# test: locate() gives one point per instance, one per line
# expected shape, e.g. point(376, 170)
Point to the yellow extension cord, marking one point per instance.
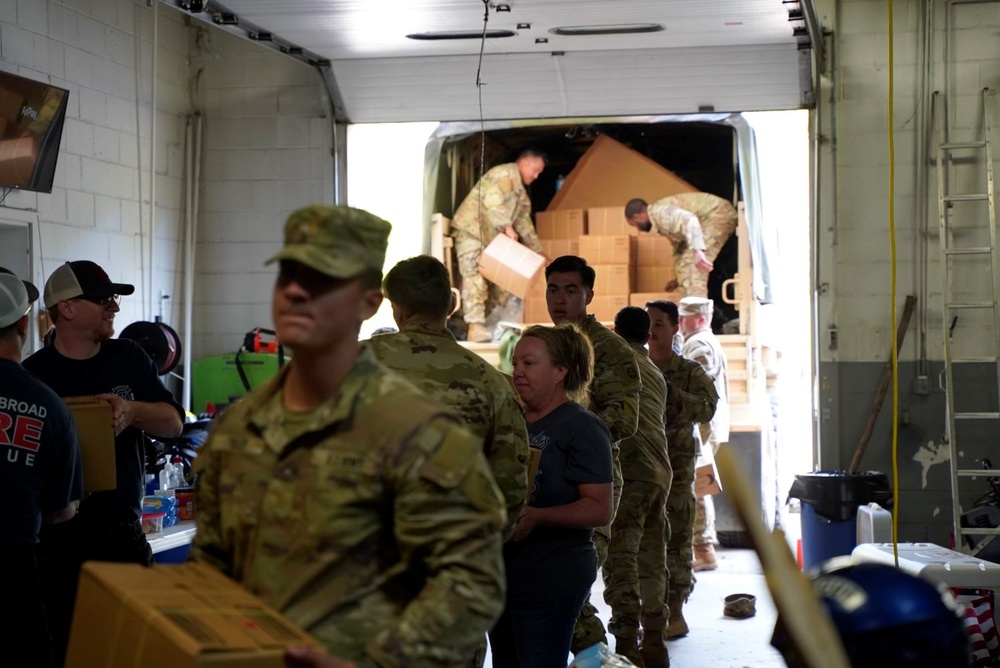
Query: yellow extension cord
point(892, 312)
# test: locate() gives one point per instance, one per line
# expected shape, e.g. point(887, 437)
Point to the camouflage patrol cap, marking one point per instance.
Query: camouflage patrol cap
point(338, 241)
point(695, 306)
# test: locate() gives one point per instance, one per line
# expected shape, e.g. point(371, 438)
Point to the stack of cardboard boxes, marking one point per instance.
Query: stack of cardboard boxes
point(632, 267)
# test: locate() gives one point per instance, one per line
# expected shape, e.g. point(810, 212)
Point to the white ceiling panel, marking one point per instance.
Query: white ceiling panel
point(529, 86)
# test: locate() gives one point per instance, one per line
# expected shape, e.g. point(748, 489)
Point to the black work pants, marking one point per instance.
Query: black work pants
point(24, 628)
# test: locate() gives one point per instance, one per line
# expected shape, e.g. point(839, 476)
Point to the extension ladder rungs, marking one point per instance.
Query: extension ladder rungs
point(969, 305)
point(977, 473)
point(967, 197)
point(950, 146)
point(984, 531)
point(988, 359)
point(976, 250)
point(984, 415)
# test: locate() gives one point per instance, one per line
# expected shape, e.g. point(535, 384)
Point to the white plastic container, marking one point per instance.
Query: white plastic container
point(874, 524)
point(935, 563)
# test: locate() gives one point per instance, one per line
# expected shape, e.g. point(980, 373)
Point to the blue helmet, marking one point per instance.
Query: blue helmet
point(886, 617)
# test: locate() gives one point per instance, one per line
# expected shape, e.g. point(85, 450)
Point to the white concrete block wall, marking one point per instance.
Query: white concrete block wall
point(267, 152)
point(858, 303)
point(100, 51)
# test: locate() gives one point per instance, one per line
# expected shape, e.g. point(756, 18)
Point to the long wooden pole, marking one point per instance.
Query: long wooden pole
point(883, 388)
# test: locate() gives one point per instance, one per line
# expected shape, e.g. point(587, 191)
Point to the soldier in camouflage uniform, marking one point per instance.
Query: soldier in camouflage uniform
point(697, 224)
point(638, 550)
point(426, 353)
point(691, 399)
point(702, 346)
point(498, 204)
point(337, 493)
point(614, 395)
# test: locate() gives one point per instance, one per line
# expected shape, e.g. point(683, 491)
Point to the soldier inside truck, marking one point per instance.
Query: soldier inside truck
point(703, 154)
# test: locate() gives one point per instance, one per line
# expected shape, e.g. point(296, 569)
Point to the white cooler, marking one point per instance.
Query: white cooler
point(934, 563)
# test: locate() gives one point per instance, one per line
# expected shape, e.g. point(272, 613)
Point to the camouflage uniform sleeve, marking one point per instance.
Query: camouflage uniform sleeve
point(209, 545)
point(615, 392)
point(498, 203)
point(523, 225)
point(698, 399)
point(448, 515)
point(508, 454)
point(691, 229)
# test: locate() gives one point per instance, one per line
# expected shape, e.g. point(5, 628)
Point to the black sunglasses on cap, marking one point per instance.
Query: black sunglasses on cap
point(104, 302)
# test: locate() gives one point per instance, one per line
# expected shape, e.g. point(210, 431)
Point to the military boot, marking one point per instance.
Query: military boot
point(677, 628)
point(478, 333)
point(704, 558)
point(653, 649)
point(628, 646)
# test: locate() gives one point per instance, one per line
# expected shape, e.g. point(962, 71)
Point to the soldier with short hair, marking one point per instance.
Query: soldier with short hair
point(337, 493)
point(425, 352)
point(691, 399)
point(697, 224)
point(638, 535)
point(497, 204)
point(614, 394)
point(702, 346)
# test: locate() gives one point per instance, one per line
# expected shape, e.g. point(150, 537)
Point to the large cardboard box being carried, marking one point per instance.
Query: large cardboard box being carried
point(510, 265)
point(96, 434)
point(173, 617)
point(568, 224)
point(706, 474)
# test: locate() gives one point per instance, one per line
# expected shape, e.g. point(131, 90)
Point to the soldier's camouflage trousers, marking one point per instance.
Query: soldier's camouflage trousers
point(680, 512)
point(717, 229)
point(477, 292)
point(637, 560)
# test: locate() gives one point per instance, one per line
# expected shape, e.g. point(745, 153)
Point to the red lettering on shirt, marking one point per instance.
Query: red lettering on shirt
point(27, 433)
point(5, 423)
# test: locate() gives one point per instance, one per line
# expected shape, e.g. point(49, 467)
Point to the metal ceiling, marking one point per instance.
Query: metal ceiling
point(728, 55)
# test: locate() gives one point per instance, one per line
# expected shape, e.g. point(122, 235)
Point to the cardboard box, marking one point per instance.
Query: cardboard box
point(612, 279)
point(706, 475)
point(536, 311)
point(510, 265)
point(609, 220)
point(654, 279)
point(178, 616)
point(642, 298)
point(554, 248)
point(96, 434)
point(606, 307)
point(653, 250)
point(615, 249)
point(567, 224)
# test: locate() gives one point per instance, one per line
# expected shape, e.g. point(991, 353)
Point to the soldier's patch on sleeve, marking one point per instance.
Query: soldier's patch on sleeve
point(631, 372)
point(450, 463)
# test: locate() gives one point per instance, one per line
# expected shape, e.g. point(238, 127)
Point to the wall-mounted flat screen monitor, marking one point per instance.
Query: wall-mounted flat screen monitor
point(31, 124)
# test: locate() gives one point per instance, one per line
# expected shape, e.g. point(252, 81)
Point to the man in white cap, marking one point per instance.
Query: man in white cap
point(701, 345)
point(84, 360)
point(40, 479)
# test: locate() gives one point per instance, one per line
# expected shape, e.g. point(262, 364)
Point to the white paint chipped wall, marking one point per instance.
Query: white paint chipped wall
point(853, 238)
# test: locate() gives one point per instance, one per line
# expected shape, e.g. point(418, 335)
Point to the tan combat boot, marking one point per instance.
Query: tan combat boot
point(704, 558)
point(628, 646)
point(478, 334)
point(677, 628)
point(653, 649)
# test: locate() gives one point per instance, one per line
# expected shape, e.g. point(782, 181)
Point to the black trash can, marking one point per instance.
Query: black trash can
point(830, 502)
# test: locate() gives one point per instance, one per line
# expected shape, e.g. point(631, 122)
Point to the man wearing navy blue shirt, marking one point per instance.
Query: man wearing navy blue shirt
point(39, 479)
point(84, 360)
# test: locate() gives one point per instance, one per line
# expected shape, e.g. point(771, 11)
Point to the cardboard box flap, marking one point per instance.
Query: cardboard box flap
point(189, 607)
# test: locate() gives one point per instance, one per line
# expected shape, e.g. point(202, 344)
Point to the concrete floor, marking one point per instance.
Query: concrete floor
point(716, 640)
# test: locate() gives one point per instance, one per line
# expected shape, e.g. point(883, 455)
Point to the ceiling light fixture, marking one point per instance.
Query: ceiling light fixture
point(524, 26)
point(460, 34)
point(619, 29)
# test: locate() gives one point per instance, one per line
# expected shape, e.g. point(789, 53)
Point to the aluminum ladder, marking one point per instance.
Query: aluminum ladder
point(956, 298)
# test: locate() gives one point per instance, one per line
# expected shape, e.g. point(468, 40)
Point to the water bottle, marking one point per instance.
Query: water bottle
point(177, 475)
point(166, 476)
